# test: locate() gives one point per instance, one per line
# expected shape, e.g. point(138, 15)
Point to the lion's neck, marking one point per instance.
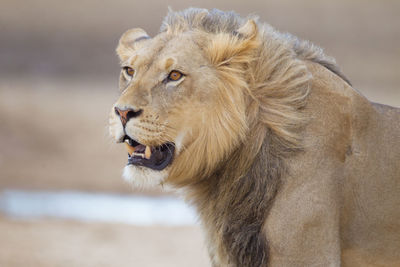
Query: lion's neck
point(233, 205)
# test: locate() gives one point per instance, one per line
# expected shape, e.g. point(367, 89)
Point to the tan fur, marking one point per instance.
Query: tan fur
point(286, 164)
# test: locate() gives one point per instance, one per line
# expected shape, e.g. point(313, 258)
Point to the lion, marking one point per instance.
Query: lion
point(285, 163)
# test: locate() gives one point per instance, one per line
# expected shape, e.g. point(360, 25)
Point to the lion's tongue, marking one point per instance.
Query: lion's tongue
point(139, 149)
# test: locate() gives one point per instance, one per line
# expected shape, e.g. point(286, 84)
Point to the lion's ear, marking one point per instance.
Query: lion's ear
point(228, 48)
point(128, 41)
point(248, 30)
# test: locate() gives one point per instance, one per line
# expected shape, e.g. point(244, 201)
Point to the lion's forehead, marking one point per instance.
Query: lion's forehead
point(183, 49)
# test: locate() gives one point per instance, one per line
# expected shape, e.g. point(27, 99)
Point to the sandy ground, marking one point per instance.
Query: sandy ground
point(51, 243)
point(58, 80)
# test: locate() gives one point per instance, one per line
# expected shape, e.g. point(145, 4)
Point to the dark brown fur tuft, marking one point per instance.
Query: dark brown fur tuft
point(235, 208)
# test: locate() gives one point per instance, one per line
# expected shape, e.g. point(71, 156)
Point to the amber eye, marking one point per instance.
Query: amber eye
point(129, 71)
point(175, 75)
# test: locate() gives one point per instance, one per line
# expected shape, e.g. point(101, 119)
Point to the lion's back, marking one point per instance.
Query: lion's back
point(364, 138)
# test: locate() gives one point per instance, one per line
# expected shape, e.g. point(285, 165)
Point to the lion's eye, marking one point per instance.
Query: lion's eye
point(129, 71)
point(175, 75)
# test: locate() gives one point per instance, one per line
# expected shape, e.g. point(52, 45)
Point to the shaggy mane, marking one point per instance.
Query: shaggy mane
point(278, 79)
point(234, 196)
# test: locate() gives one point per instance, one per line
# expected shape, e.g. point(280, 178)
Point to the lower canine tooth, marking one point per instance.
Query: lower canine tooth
point(147, 152)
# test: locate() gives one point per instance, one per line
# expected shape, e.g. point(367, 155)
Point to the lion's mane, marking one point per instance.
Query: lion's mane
point(233, 197)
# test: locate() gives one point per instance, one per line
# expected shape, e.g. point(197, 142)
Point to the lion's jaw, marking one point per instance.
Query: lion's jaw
point(142, 177)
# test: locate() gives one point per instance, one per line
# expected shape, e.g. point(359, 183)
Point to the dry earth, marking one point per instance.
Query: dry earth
point(51, 243)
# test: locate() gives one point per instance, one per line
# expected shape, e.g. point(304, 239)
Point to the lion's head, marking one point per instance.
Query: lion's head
point(194, 93)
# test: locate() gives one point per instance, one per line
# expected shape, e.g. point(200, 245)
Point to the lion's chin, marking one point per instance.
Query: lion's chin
point(142, 177)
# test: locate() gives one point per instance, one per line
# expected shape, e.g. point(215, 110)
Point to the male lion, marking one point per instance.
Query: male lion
point(286, 164)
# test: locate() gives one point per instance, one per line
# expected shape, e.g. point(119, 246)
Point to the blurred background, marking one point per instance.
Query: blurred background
point(62, 201)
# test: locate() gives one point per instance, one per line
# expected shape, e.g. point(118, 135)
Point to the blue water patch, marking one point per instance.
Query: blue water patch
point(93, 207)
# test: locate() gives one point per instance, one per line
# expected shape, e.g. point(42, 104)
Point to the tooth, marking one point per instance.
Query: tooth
point(130, 149)
point(147, 152)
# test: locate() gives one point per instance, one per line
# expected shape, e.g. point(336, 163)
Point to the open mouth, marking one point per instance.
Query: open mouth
point(156, 158)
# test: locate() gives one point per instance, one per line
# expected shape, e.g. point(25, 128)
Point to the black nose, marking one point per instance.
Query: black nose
point(126, 114)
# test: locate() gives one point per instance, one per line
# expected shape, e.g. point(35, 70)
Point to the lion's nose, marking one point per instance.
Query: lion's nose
point(126, 114)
